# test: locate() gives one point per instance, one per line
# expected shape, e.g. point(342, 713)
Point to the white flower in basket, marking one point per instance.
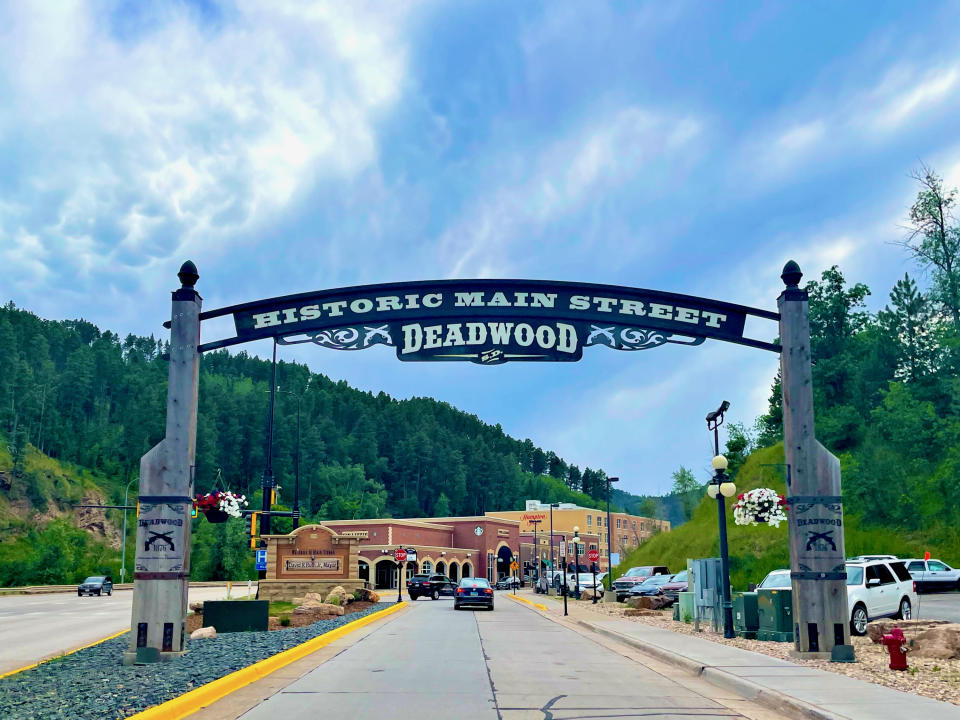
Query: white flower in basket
point(231, 503)
point(760, 506)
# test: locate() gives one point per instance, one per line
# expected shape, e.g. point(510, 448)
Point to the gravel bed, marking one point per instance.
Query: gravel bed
point(937, 679)
point(92, 683)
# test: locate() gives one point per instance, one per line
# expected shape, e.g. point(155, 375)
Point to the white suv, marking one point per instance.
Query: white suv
point(878, 588)
point(875, 588)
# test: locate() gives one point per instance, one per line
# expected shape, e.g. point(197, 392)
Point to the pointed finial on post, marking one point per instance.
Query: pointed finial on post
point(791, 275)
point(188, 274)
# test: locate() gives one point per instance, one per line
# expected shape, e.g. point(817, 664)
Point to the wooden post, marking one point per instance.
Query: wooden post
point(817, 559)
point(162, 566)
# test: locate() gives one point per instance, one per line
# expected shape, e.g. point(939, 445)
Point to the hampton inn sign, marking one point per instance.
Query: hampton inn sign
point(490, 322)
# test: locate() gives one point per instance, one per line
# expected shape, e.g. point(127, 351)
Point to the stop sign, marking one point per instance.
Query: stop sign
point(399, 555)
point(593, 555)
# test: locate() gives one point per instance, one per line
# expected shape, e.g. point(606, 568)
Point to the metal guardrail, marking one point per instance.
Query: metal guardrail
point(49, 589)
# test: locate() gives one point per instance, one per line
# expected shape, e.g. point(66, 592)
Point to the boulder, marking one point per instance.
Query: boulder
point(341, 594)
point(911, 628)
point(587, 594)
point(316, 611)
point(311, 598)
point(649, 602)
point(368, 595)
point(204, 632)
point(940, 643)
point(634, 612)
point(196, 607)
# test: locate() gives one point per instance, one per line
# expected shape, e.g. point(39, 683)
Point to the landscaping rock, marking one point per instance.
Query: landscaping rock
point(311, 599)
point(368, 595)
point(634, 612)
point(653, 602)
point(316, 610)
point(940, 643)
point(208, 632)
point(878, 628)
point(196, 607)
point(341, 594)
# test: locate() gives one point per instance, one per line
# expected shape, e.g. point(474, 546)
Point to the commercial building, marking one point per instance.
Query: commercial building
point(626, 531)
point(454, 546)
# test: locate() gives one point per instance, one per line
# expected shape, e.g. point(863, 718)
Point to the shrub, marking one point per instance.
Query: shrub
point(285, 621)
point(334, 600)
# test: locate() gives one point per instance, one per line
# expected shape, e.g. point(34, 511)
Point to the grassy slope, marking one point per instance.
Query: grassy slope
point(754, 551)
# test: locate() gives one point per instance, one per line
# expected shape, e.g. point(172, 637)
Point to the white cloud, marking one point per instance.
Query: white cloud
point(188, 134)
point(562, 179)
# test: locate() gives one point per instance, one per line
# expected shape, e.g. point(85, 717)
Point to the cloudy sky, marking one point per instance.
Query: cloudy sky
point(290, 146)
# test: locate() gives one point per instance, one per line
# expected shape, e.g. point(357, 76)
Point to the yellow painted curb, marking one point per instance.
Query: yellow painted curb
point(201, 697)
point(71, 652)
point(538, 606)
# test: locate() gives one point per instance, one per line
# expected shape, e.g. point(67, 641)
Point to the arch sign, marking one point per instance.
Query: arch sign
point(490, 322)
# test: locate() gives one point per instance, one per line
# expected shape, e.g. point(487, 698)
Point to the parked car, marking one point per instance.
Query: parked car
point(585, 581)
point(933, 575)
point(676, 585)
point(875, 589)
point(96, 585)
point(635, 576)
point(432, 586)
point(651, 586)
point(508, 582)
point(473, 591)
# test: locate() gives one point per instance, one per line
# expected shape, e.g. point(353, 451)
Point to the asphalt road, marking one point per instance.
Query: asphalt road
point(939, 606)
point(510, 664)
point(34, 627)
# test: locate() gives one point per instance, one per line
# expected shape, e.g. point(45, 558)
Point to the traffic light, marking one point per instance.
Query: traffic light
point(253, 530)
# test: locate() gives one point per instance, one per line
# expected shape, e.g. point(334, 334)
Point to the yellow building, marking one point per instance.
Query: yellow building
point(626, 531)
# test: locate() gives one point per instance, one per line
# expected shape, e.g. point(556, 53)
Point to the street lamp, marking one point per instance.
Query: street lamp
point(610, 480)
point(123, 562)
point(553, 567)
point(722, 487)
point(576, 560)
point(296, 481)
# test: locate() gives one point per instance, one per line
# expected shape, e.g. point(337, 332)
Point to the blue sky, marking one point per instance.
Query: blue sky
point(287, 147)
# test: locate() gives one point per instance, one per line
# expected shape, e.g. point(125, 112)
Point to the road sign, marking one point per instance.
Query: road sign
point(593, 556)
point(261, 560)
point(563, 548)
point(514, 566)
point(411, 554)
point(399, 555)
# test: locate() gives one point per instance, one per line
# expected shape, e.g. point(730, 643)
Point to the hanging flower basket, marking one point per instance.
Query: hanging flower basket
point(220, 505)
point(762, 506)
point(216, 516)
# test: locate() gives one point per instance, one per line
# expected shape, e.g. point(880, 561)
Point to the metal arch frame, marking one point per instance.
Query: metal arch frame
point(669, 331)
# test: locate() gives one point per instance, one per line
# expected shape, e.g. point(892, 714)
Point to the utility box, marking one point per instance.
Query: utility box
point(707, 590)
point(775, 613)
point(746, 620)
point(685, 601)
point(236, 615)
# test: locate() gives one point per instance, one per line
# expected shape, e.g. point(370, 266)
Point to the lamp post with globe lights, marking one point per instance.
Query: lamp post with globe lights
point(721, 487)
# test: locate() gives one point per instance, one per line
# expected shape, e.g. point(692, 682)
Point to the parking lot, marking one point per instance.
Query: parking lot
point(939, 606)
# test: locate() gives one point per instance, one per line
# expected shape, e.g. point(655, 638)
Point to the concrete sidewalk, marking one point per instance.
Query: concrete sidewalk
point(776, 683)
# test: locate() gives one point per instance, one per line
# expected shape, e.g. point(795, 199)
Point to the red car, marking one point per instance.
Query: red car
point(676, 586)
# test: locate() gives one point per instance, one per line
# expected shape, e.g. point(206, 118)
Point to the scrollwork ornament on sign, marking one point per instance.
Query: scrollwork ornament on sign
point(619, 337)
point(345, 338)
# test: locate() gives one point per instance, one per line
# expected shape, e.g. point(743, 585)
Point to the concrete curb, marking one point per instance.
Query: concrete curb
point(771, 699)
point(205, 695)
point(51, 589)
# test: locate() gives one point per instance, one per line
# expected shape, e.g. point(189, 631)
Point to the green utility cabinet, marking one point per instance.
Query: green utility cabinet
point(746, 620)
point(236, 615)
point(685, 603)
point(775, 614)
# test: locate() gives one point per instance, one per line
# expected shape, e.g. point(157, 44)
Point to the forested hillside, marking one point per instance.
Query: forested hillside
point(84, 395)
point(887, 401)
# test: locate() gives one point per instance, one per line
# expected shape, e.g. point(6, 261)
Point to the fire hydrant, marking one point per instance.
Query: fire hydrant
point(897, 647)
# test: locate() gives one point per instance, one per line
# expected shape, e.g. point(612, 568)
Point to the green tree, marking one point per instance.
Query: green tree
point(686, 487)
point(934, 239)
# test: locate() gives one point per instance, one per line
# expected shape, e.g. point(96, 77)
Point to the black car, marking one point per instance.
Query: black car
point(431, 586)
point(96, 585)
point(508, 582)
point(650, 586)
point(473, 591)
